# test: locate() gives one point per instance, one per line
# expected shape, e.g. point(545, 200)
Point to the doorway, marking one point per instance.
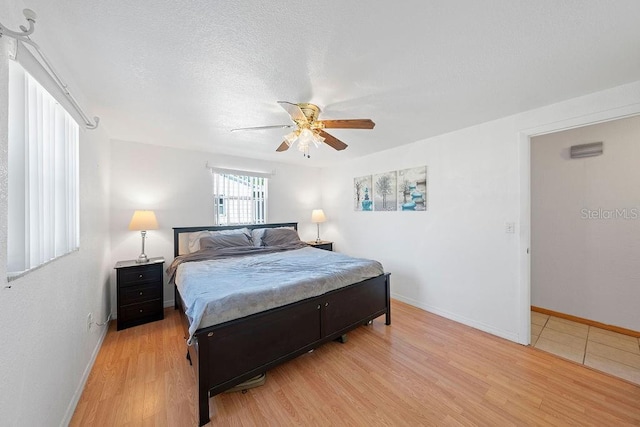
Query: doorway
point(585, 243)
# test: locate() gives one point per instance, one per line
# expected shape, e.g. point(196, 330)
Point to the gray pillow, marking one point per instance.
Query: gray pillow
point(221, 241)
point(279, 236)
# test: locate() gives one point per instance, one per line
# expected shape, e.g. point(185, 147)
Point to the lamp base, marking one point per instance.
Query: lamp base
point(143, 257)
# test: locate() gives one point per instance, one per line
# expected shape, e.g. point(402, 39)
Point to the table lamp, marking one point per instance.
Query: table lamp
point(143, 221)
point(317, 216)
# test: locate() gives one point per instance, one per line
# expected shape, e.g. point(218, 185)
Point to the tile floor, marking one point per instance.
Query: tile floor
point(600, 349)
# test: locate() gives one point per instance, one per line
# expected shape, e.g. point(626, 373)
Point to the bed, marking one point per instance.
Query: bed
point(228, 342)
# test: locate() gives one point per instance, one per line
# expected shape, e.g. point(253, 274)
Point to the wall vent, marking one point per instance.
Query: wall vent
point(586, 150)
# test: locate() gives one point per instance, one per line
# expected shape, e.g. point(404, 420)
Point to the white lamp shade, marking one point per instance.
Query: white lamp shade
point(317, 215)
point(143, 220)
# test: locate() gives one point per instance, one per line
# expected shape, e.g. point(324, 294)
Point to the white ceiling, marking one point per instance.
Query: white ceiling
point(184, 72)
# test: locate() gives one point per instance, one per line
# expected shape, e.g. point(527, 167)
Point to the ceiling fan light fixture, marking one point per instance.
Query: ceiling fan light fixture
point(303, 146)
point(291, 137)
point(306, 134)
point(317, 139)
point(305, 140)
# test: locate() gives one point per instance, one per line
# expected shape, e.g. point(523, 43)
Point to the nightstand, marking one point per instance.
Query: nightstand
point(140, 292)
point(327, 246)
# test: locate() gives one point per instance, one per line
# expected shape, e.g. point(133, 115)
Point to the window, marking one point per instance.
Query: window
point(239, 199)
point(43, 175)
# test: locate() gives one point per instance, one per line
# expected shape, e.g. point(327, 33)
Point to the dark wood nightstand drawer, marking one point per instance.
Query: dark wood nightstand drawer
point(136, 275)
point(139, 293)
point(149, 310)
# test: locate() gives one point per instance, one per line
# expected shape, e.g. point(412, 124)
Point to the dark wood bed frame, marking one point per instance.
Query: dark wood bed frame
point(230, 353)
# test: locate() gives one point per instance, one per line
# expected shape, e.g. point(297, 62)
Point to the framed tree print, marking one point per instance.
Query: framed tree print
point(384, 192)
point(362, 193)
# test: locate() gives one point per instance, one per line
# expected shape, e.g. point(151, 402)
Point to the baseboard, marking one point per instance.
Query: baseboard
point(589, 322)
point(508, 335)
point(83, 381)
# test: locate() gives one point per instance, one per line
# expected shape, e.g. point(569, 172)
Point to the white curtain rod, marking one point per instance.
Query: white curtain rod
point(23, 37)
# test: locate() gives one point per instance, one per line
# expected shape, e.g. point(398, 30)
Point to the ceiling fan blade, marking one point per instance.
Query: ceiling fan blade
point(263, 128)
point(332, 141)
point(348, 124)
point(294, 111)
point(283, 147)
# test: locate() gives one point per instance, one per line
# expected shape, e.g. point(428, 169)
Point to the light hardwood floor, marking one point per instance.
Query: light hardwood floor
point(421, 370)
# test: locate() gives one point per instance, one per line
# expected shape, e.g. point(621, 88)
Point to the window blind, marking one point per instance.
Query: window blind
point(43, 175)
point(239, 199)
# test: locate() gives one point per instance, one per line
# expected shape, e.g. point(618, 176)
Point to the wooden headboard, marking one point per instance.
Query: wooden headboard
point(179, 230)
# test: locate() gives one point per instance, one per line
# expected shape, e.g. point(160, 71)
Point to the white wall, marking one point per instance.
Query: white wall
point(178, 187)
point(584, 259)
point(47, 351)
point(456, 259)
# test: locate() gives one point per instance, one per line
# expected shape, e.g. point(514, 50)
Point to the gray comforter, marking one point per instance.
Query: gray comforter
point(218, 286)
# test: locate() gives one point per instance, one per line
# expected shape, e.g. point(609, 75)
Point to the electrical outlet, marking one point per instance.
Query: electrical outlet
point(89, 321)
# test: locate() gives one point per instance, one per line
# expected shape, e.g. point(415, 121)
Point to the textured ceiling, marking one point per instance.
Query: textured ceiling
point(184, 72)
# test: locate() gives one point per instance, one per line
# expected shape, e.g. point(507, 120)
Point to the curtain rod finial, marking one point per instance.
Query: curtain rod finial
point(30, 15)
point(92, 126)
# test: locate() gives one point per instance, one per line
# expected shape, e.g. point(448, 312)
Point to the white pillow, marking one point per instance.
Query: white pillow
point(193, 242)
point(194, 238)
point(257, 233)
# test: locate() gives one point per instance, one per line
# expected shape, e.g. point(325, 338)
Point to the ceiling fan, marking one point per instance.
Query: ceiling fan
point(309, 130)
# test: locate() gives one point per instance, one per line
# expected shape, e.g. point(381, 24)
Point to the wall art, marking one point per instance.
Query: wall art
point(363, 194)
point(412, 189)
point(385, 192)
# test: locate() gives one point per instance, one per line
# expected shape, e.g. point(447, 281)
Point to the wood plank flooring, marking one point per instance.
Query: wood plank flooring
point(421, 370)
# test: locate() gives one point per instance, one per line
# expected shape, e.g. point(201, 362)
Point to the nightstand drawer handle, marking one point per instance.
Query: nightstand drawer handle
point(140, 276)
point(326, 304)
point(140, 292)
point(140, 310)
point(318, 306)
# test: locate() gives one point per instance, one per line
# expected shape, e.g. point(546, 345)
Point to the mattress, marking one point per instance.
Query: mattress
point(215, 291)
